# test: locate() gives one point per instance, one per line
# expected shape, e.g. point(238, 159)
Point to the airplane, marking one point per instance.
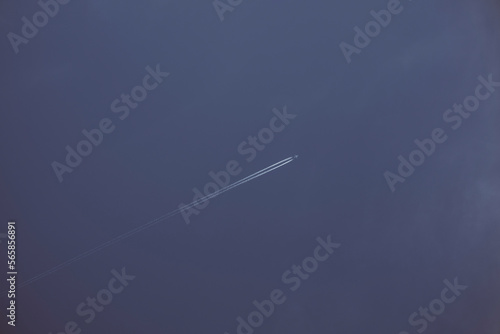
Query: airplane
point(295, 156)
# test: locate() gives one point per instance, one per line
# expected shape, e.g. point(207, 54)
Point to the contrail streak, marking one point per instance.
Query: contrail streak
point(238, 183)
point(157, 220)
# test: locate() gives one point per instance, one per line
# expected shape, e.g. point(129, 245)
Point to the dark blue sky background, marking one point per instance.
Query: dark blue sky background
point(353, 120)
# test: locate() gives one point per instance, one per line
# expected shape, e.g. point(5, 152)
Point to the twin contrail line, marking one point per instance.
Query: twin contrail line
point(238, 183)
point(138, 229)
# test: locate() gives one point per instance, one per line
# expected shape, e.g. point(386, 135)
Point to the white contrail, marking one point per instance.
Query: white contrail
point(157, 220)
point(238, 183)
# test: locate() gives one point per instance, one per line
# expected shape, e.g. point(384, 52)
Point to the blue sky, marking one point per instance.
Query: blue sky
point(352, 122)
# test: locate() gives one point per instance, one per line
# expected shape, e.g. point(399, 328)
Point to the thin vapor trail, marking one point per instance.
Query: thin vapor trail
point(238, 183)
point(138, 229)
